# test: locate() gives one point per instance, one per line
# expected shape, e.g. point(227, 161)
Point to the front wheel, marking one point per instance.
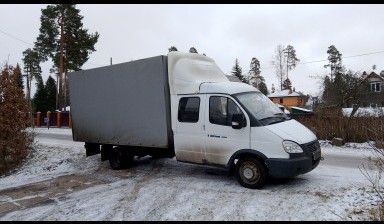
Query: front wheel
point(251, 173)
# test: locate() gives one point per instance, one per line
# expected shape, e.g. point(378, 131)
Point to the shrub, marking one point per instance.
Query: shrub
point(15, 139)
point(376, 134)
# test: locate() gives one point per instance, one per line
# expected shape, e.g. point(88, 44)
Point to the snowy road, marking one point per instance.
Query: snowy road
point(331, 158)
point(61, 183)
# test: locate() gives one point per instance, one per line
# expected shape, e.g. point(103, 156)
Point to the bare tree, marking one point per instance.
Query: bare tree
point(377, 144)
point(278, 62)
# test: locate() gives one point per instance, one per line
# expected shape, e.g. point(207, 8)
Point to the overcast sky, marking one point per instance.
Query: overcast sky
point(222, 32)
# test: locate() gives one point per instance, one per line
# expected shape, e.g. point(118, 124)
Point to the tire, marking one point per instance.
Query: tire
point(251, 173)
point(104, 152)
point(119, 158)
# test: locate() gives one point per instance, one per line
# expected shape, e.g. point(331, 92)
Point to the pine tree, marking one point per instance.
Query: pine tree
point(50, 89)
point(263, 88)
point(63, 39)
point(287, 84)
point(39, 99)
point(172, 48)
point(335, 61)
point(193, 50)
point(32, 69)
point(292, 60)
point(256, 79)
point(334, 85)
point(238, 72)
point(20, 80)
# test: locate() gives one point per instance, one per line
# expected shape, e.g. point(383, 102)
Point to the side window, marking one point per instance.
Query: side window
point(232, 109)
point(189, 108)
point(221, 110)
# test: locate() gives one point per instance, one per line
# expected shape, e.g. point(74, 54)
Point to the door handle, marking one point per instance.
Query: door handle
point(217, 136)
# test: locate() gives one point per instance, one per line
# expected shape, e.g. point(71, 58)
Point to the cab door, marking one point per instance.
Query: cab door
point(222, 140)
point(189, 136)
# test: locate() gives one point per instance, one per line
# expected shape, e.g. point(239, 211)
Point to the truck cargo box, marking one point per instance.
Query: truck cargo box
point(122, 104)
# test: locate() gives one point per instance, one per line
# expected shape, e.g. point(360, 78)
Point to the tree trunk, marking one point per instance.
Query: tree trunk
point(62, 61)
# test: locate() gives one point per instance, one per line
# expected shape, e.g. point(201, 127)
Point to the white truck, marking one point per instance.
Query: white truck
point(182, 105)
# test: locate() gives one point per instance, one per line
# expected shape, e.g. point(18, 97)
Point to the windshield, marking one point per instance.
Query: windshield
point(262, 108)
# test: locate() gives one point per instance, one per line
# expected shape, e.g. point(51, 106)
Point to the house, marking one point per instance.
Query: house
point(299, 110)
point(282, 108)
point(289, 98)
point(375, 95)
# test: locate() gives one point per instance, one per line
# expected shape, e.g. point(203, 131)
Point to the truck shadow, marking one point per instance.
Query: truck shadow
point(165, 166)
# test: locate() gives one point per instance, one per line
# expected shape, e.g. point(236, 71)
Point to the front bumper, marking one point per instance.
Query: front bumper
point(298, 163)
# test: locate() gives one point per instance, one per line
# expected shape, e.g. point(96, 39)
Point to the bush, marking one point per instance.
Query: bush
point(15, 139)
point(376, 134)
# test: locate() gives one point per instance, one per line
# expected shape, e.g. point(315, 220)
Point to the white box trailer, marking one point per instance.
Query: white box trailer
point(183, 105)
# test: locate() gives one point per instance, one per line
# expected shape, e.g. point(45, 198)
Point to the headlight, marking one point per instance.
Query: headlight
point(292, 147)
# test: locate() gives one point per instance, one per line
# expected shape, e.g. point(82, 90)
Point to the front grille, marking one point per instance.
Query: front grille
point(314, 146)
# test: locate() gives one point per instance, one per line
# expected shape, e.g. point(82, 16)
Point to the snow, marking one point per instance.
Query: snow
point(364, 111)
point(68, 108)
point(284, 93)
point(165, 189)
point(303, 109)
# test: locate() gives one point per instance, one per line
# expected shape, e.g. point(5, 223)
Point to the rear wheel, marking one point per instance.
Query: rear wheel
point(105, 152)
point(251, 173)
point(120, 158)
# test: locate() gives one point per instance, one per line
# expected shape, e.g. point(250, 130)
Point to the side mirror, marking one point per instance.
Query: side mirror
point(238, 121)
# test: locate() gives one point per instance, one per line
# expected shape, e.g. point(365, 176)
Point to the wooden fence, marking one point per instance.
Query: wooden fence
point(350, 129)
point(56, 119)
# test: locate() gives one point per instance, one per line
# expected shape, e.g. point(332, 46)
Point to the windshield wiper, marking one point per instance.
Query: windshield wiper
point(276, 122)
point(280, 119)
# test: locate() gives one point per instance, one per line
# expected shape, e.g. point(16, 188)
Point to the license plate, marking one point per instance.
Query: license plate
point(316, 154)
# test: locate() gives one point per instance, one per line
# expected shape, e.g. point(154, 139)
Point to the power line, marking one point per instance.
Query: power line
point(352, 56)
point(378, 52)
point(15, 38)
point(308, 62)
point(33, 45)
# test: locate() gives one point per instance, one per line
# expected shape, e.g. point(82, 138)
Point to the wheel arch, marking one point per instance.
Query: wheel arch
point(246, 152)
